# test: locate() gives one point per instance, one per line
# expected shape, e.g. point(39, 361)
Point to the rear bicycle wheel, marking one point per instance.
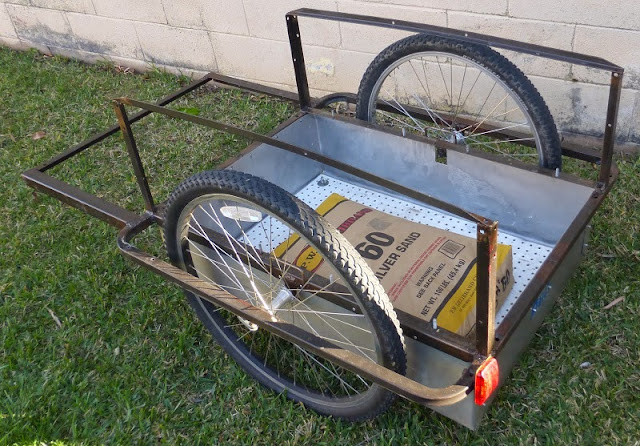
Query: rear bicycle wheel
point(463, 93)
point(235, 230)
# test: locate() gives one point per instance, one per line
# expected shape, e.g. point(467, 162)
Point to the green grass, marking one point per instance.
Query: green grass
point(130, 363)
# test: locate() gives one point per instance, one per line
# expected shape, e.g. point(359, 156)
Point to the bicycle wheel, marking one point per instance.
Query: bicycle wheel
point(235, 230)
point(463, 93)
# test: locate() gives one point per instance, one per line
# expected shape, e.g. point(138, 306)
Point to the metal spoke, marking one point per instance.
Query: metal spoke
point(247, 272)
point(430, 112)
point(470, 90)
point(220, 252)
point(235, 278)
point(388, 115)
point(402, 109)
point(324, 367)
point(329, 315)
point(232, 255)
point(505, 141)
point(346, 340)
point(490, 113)
point(500, 129)
point(442, 74)
point(246, 239)
point(455, 114)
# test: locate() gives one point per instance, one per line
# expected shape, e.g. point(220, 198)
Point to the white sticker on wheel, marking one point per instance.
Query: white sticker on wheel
point(240, 213)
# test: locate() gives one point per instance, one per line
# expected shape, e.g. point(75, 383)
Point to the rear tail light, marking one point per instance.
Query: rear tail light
point(487, 378)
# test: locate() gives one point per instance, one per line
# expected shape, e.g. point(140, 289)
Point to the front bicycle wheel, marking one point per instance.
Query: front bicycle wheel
point(463, 93)
point(236, 230)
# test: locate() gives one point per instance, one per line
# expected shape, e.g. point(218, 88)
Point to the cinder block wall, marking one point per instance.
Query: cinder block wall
point(248, 39)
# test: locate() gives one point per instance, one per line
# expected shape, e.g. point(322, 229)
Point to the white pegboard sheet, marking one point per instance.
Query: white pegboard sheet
point(528, 256)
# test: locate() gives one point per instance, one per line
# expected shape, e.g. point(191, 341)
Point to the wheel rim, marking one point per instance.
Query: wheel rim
point(472, 114)
point(231, 241)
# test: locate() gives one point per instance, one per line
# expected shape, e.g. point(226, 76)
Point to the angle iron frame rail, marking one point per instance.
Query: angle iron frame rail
point(607, 175)
point(117, 216)
point(345, 167)
point(120, 217)
point(486, 246)
point(615, 86)
point(569, 148)
point(97, 207)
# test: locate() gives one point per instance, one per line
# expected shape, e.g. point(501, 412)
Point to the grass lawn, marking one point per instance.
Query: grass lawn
point(96, 350)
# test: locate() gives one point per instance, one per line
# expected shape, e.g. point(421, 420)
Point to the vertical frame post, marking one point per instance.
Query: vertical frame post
point(486, 286)
point(295, 43)
point(134, 155)
point(615, 90)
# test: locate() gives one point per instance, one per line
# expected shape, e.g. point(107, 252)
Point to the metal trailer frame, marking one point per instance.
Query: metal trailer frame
point(537, 296)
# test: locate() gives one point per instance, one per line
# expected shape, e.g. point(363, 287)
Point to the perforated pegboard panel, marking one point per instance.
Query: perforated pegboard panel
point(527, 255)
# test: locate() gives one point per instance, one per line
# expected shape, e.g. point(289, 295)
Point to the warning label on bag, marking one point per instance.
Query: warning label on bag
point(426, 272)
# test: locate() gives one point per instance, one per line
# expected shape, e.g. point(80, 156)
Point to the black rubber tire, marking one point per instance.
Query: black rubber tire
point(482, 55)
point(367, 289)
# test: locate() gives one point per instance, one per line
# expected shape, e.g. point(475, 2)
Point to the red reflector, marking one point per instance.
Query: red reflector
point(487, 377)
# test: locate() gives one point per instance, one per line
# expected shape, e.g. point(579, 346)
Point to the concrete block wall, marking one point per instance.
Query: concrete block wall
point(248, 39)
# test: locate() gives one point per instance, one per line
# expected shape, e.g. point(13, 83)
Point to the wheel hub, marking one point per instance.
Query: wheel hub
point(283, 296)
point(456, 137)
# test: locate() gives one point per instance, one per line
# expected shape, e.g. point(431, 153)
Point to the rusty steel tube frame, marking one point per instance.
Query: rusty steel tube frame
point(485, 314)
point(295, 41)
point(486, 246)
point(569, 149)
point(451, 343)
point(487, 242)
point(488, 340)
point(115, 215)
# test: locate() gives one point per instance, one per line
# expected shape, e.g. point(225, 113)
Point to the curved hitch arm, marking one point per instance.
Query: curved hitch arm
point(393, 381)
